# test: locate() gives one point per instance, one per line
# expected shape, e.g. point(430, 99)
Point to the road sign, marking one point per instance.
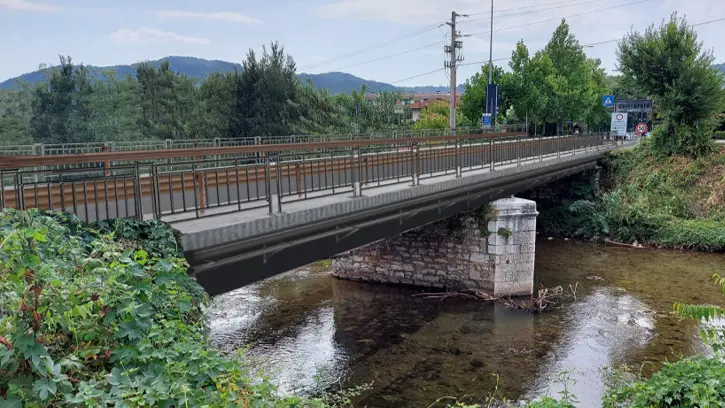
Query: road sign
point(486, 120)
point(619, 124)
point(641, 128)
point(399, 108)
point(635, 105)
point(608, 101)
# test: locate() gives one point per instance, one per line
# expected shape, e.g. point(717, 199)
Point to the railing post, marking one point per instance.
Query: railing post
point(278, 168)
point(558, 147)
point(268, 185)
point(416, 165)
point(491, 155)
point(137, 191)
point(356, 173)
point(518, 151)
point(540, 145)
point(155, 192)
point(459, 172)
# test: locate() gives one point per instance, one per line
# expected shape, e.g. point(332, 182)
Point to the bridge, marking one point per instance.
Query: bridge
point(253, 210)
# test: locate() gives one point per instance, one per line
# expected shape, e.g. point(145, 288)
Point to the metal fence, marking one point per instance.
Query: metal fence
point(50, 149)
point(211, 186)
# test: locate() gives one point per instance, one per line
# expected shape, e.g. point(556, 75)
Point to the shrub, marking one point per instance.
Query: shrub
point(719, 135)
point(87, 320)
point(692, 382)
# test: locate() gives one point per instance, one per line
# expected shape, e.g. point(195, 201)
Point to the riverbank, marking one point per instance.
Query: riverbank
point(676, 203)
point(106, 315)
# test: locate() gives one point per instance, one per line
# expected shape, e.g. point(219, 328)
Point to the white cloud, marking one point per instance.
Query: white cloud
point(154, 36)
point(221, 16)
point(22, 5)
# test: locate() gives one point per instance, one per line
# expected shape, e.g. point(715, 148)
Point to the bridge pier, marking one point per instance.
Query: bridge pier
point(492, 251)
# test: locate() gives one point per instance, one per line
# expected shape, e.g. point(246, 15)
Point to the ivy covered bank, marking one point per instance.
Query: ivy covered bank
point(106, 315)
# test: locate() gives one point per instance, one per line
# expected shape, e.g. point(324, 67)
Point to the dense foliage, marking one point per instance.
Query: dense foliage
point(691, 382)
point(671, 66)
point(262, 98)
point(557, 85)
point(90, 317)
point(677, 202)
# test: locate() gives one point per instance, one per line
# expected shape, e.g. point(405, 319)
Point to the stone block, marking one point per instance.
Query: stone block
point(479, 257)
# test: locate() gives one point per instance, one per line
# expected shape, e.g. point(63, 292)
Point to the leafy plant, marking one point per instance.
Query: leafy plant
point(86, 320)
point(691, 382)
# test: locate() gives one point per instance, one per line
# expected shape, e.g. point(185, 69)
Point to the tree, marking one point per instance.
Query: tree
point(60, 106)
point(436, 115)
point(265, 95)
point(15, 115)
point(167, 101)
point(473, 101)
point(572, 76)
point(671, 66)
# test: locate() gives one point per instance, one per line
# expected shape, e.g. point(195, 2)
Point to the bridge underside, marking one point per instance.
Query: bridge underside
point(221, 268)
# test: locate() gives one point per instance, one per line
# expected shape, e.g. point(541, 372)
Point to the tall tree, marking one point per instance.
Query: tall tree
point(265, 94)
point(473, 101)
point(60, 106)
point(671, 66)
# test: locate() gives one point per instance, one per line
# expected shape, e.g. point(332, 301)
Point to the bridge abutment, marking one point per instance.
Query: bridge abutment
point(491, 250)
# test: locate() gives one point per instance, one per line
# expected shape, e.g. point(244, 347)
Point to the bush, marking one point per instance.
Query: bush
point(89, 320)
point(719, 135)
point(692, 382)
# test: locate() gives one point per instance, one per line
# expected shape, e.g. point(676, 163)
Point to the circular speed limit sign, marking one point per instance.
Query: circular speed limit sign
point(641, 128)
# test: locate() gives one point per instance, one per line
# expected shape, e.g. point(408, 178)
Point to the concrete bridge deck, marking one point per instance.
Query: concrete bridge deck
point(231, 250)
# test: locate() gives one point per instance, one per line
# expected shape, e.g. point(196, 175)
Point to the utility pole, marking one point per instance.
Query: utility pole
point(452, 64)
point(490, 50)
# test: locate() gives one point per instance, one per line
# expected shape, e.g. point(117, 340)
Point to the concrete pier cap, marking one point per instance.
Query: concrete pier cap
point(512, 246)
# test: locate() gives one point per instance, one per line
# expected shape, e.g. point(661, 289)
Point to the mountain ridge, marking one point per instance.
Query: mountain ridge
point(200, 68)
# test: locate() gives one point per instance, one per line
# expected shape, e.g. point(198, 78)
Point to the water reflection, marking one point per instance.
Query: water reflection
point(311, 332)
point(605, 328)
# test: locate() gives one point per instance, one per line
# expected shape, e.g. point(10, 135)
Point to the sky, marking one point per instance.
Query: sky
point(402, 38)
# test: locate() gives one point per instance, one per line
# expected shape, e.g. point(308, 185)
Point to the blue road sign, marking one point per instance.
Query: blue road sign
point(486, 119)
point(608, 101)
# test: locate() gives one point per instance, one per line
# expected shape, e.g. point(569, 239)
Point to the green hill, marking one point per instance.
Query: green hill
point(199, 68)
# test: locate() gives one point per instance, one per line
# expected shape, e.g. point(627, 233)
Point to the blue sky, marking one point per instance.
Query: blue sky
point(313, 31)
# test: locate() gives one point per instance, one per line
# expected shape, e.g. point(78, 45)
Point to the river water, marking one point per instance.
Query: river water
point(310, 332)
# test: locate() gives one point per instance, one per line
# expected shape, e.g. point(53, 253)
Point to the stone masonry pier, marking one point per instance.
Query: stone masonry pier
point(491, 250)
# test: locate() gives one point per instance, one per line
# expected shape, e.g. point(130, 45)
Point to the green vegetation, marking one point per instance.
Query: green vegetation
point(505, 232)
point(264, 98)
point(691, 382)
point(670, 65)
point(556, 85)
point(107, 316)
point(677, 202)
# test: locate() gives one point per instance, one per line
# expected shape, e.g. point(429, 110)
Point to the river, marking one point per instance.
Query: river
point(310, 332)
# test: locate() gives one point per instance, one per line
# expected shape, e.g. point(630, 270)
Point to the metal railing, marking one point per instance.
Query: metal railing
point(51, 149)
point(200, 187)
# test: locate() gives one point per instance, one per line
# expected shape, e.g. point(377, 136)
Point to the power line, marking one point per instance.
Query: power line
point(431, 27)
point(520, 8)
point(599, 42)
point(392, 55)
point(568, 4)
point(508, 58)
point(571, 15)
point(375, 46)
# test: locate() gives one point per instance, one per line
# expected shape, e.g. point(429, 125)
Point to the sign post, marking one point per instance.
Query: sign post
point(619, 124)
point(492, 102)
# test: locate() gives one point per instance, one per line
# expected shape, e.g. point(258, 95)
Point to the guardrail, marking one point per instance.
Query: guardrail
point(201, 186)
